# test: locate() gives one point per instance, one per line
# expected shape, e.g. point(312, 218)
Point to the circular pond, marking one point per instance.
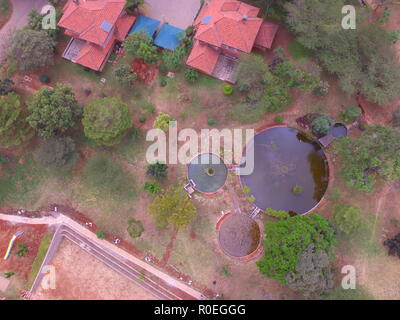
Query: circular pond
point(339, 130)
point(208, 172)
point(290, 171)
point(239, 235)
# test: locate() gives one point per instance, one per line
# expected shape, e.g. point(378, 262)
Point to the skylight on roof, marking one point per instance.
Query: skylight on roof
point(206, 20)
point(106, 26)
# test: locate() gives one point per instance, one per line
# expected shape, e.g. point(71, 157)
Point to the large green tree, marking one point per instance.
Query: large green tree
point(173, 206)
point(140, 44)
point(14, 129)
point(375, 153)
point(32, 49)
point(363, 59)
point(106, 121)
point(286, 240)
point(53, 110)
point(313, 275)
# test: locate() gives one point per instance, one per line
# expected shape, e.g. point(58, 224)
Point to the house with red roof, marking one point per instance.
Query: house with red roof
point(95, 26)
point(224, 30)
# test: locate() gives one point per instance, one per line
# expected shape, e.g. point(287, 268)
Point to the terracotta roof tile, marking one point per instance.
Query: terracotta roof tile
point(86, 17)
point(232, 23)
point(203, 58)
point(266, 35)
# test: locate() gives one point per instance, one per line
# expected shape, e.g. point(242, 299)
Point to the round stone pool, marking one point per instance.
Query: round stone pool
point(290, 171)
point(239, 235)
point(208, 172)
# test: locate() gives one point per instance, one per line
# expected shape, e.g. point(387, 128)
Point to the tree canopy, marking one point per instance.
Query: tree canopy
point(53, 110)
point(106, 121)
point(362, 58)
point(313, 275)
point(376, 153)
point(173, 206)
point(32, 49)
point(140, 44)
point(14, 129)
point(286, 240)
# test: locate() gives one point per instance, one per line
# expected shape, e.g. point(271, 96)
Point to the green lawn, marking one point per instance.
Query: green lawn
point(299, 52)
point(43, 247)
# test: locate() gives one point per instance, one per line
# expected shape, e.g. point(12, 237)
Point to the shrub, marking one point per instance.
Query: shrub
point(297, 189)
point(152, 187)
point(189, 31)
point(135, 228)
point(173, 59)
point(14, 128)
point(9, 274)
point(191, 75)
point(351, 114)
point(23, 251)
point(162, 121)
point(246, 189)
point(252, 198)
point(44, 78)
point(226, 271)
point(320, 126)
point(173, 206)
point(124, 75)
point(142, 119)
point(279, 119)
point(211, 122)
point(140, 44)
point(347, 218)
point(100, 235)
point(227, 89)
point(6, 86)
point(157, 169)
point(105, 121)
point(163, 81)
point(280, 214)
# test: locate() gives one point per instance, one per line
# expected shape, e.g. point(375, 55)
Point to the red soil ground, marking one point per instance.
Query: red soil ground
point(144, 71)
point(31, 237)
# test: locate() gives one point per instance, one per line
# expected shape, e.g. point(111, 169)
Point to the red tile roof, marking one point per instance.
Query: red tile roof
point(94, 56)
point(85, 17)
point(266, 35)
point(228, 23)
point(83, 20)
point(203, 57)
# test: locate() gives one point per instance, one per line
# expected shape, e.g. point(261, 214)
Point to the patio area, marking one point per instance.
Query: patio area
point(178, 13)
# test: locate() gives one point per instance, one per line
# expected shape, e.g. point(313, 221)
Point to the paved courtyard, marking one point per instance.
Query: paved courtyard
point(178, 13)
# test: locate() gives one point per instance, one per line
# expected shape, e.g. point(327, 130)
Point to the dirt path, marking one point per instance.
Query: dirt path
point(84, 233)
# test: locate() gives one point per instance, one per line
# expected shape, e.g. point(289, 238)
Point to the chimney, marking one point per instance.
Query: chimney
point(75, 1)
point(245, 18)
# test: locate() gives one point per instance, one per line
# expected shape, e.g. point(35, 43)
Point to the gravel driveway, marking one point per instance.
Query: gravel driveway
point(178, 13)
point(19, 19)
